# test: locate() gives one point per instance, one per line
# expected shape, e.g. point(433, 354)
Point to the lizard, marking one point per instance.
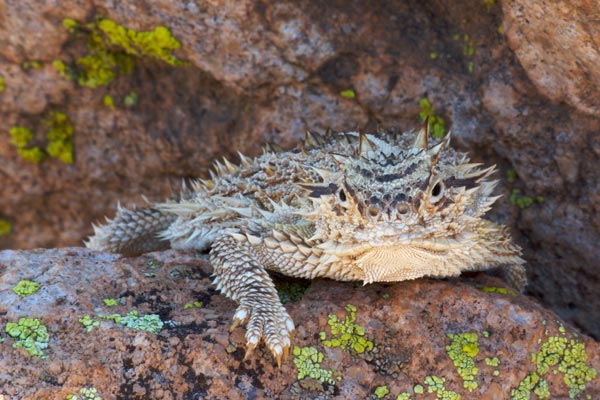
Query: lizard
point(370, 207)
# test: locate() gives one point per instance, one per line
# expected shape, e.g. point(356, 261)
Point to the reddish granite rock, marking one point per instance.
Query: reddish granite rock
point(557, 44)
point(194, 355)
point(267, 71)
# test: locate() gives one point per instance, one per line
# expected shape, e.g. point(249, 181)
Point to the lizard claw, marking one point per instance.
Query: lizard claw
point(273, 326)
point(250, 346)
point(240, 317)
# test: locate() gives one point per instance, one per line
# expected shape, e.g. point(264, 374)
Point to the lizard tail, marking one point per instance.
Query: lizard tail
point(132, 232)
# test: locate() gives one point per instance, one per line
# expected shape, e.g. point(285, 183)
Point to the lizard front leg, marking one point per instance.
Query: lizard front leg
point(239, 275)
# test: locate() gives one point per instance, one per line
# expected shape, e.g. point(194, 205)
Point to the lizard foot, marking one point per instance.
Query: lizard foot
point(270, 323)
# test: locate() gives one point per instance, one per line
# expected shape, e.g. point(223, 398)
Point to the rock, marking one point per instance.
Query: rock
point(557, 45)
point(268, 71)
point(404, 338)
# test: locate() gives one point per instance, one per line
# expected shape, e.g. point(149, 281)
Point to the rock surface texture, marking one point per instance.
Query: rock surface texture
point(516, 81)
point(423, 339)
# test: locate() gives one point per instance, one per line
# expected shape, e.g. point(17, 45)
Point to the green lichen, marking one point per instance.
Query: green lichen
point(492, 362)
point(468, 49)
point(561, 355)
point(468, 46)
point(29, 334)
point(26, 288)
point(511, 175)
point(89, 323)
point(526, 386)
point(435, 384)
point(110, 302)
point(308, 362)
point(32, 65)
point(470, 67)
point(418, 389)
point(2, 84)
point(517, 198)
point(542, 390)
point(463, 348)
point(153, 264)
point(493, 289)
point(437, 126)
point(403, 396)
point(290, 292)
point(381, 391)
point(195, 304)
point(130, 99)
point(150, 322)
point(112, 50)
point(520, 200)
point(5, 227)
point(348, 94)
point(489, 4)
point(88, 393)
point(60, 137)
point(346, 333)
point(434, 55)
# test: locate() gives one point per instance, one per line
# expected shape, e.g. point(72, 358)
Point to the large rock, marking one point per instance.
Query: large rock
point(267, 71)
point(557, 44)
point(402, 337)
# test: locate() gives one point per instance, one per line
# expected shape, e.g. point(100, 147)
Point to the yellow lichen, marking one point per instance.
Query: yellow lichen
point(5, 227)
point(112, 50)
point(60, 137)
point(108, 101)
point(158, 43)
point(32, 64)
point(33, 155)
point(493, 289)
point(21, 137)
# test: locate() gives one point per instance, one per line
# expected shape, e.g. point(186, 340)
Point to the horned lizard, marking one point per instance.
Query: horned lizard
point(376, 207)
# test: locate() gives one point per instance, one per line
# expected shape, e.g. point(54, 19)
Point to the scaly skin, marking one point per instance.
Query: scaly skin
point(374, 208)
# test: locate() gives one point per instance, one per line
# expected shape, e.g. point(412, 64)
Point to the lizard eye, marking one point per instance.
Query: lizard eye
point(342, 195)
point(437, 191)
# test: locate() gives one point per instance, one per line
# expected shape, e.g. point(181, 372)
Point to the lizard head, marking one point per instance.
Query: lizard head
point(384, 191)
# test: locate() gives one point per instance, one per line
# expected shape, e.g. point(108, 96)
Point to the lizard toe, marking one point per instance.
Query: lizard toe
point(274, 327)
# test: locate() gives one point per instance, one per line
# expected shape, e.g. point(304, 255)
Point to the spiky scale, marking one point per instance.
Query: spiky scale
point(310, 214)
